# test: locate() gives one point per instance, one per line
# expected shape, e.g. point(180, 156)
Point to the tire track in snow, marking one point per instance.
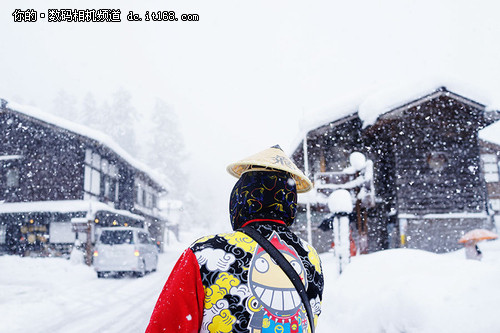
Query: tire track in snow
point(84, 304)
point(96, 314)
point(135, 317)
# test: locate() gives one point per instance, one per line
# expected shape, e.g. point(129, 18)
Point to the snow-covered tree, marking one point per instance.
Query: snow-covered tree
point(91, 115)
point(163, 149)
point(120, 120)
point(64, 105)
point(164, 146)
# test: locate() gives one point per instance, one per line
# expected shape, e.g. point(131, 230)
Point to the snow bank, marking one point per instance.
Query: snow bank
point(414, 291)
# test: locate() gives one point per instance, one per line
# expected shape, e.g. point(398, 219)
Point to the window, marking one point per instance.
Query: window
point(145, 195)
point(96, 161)
point(113, 171)
point(114, 237)
point(143, 238)
point(100, 178)
point(149, 200)
point(139, 194)
point(490, 167)
point(106, 187)
point(495, 204)
point(3, 233)
point(95, 185)
point(110, 186)
point(437, 160)
point(87, 181)
point(88, 156)
point(104, 166)
point(116, 192)
point(12, 177)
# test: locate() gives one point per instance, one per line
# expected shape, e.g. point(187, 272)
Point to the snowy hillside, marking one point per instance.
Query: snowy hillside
point(391, 291)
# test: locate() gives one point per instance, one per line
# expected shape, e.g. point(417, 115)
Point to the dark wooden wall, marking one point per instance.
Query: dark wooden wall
point(51, 167)
point(329, 147)
point(126, 188)
point(446, 128)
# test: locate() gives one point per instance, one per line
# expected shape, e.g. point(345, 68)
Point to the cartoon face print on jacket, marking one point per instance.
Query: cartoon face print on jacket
point(275, 304)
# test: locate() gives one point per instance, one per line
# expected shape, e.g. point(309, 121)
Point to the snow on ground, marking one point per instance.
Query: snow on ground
point(405, 290)
point(390, 291)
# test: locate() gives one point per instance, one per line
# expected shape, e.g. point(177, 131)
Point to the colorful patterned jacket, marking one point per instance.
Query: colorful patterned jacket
point(228, 283)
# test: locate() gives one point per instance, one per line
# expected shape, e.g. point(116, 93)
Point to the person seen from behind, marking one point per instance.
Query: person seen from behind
point(227, 282)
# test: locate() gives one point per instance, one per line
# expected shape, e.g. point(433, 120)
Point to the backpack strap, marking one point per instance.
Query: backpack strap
point(285, 266)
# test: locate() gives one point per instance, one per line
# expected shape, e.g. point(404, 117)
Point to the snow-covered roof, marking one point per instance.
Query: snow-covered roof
point(64, 206)
point(90, 133)
point(391, 98)
point(370, 104)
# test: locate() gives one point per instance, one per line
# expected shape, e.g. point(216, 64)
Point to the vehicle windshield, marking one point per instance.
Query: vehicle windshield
point(112, 237)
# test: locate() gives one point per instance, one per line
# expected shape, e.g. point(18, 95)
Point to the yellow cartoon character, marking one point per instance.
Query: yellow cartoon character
point(276, 305)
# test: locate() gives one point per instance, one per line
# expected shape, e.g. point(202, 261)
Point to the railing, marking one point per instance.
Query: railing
point(332, 178)
point(360, 184)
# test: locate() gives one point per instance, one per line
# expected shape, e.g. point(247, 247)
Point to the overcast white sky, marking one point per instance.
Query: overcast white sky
point(243, 77)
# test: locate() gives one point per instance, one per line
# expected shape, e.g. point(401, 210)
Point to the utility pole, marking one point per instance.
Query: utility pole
point(88, 246)
point(308, 204)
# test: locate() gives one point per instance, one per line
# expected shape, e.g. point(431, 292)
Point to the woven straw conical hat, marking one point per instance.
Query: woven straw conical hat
point(271, 159)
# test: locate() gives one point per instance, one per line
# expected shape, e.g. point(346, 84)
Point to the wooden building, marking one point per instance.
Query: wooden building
point(56, 176)
point(490, 163)
point(426, 183)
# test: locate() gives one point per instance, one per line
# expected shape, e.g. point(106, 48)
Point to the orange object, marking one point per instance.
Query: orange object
point(353, 250)
point(477, 235)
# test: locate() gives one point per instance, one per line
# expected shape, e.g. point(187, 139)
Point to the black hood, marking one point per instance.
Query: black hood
point(263, 195)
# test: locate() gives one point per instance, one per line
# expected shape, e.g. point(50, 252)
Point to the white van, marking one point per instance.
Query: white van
point(124, 249)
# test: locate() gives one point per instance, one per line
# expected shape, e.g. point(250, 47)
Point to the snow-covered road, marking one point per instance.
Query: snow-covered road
point(120, 306)
point(53, 295)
